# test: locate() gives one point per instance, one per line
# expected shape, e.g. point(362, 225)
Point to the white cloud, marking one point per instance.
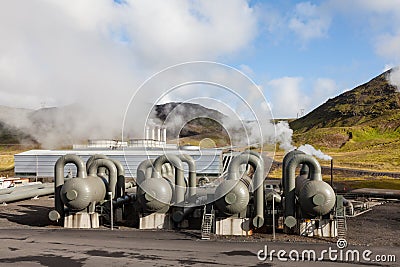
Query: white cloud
point(69, 49)
point(246, 70)
point(388, 46)
point(290, 98)
point(287, 97)
point(380, 19)
point(97, 52)
point(309, 22)
point(324, 88)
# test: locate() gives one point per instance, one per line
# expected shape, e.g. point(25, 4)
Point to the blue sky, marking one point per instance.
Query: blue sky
point(300, 53)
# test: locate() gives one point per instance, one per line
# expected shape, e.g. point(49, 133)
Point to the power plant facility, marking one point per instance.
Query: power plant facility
point(149, 184)
point(170, 190)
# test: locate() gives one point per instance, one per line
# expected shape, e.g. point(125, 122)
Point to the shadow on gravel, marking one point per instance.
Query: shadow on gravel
point(30, 215)
point(46, 260)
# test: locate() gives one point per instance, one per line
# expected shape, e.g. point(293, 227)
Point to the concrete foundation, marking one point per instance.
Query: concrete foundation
point(233, 226)
point(82, 220)
point(155, 221)
point(318, 228)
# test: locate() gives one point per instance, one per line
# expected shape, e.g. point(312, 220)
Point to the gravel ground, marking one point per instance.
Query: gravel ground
point(379, 227)
point(32, 240)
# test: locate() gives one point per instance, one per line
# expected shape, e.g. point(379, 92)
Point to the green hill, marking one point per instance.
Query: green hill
point(359, 128)
point(375, 103)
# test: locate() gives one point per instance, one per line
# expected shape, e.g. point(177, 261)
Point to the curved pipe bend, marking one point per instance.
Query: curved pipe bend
point(255, 160)
point(102, 170)
point(120, 190)
point(143, 172)
point(192, 172)
point(288, 157)
point(108, 164)
point(59, 179)
point(290, 181)
point(179, 174)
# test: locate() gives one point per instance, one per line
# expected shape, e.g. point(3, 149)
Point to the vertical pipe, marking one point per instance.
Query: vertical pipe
point(273, 216)
point(179, 174)
point(286, 160)
point(142, 173)
point(111, 211)
point(120, 190)
point(192, 173)
point(332, 173)
point(59, 181)
point(98, 163)
point(153, 133)
point(290, 177)
point(37, 168)
point(258, 180)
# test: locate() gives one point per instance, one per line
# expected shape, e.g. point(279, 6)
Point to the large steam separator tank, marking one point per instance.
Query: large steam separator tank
point(233, 194)
point(315, 198)
point(155, 193)
point(80, 194)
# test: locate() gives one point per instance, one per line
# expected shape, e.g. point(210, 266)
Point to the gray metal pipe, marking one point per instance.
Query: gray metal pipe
point(258, 181)
point(179, 174)
point(192, 173)
point(120, 190)
point(164, 172)
point(15, 189)
point(170, 170)
point(167, 171)
point(108, 164)
point(288, 157)
point(143, 172)
point(101, 171)
point(58, 213)
point(16, 196)
point(290, 183)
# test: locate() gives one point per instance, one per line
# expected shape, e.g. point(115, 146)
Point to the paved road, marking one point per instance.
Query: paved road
point(63, 247)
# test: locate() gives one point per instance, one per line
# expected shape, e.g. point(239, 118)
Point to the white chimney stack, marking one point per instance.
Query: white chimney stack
point(153, 133)
point(147, 135)
point(158, 129)
point(164, 135)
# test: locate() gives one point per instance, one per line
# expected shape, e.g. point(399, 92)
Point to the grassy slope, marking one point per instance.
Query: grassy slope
point(359, 128)
point(7, 157)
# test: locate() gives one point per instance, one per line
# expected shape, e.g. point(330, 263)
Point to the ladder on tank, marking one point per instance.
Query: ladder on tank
point(340, 216)
point(341, 226)
point(207, 223)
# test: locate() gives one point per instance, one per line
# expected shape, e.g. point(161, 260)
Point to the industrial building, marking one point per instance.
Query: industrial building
point(40, 163)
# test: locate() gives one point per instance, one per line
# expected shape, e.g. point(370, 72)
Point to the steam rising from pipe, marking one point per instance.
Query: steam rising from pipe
point(310, 150)
point(284, 138)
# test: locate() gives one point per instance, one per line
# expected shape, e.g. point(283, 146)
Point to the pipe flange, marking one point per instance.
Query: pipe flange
point(230, 198)
point(71, 195)
point(258, 221)
point(318, 199)
point(54, 215)
point(290, 221)
point(177, 216)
